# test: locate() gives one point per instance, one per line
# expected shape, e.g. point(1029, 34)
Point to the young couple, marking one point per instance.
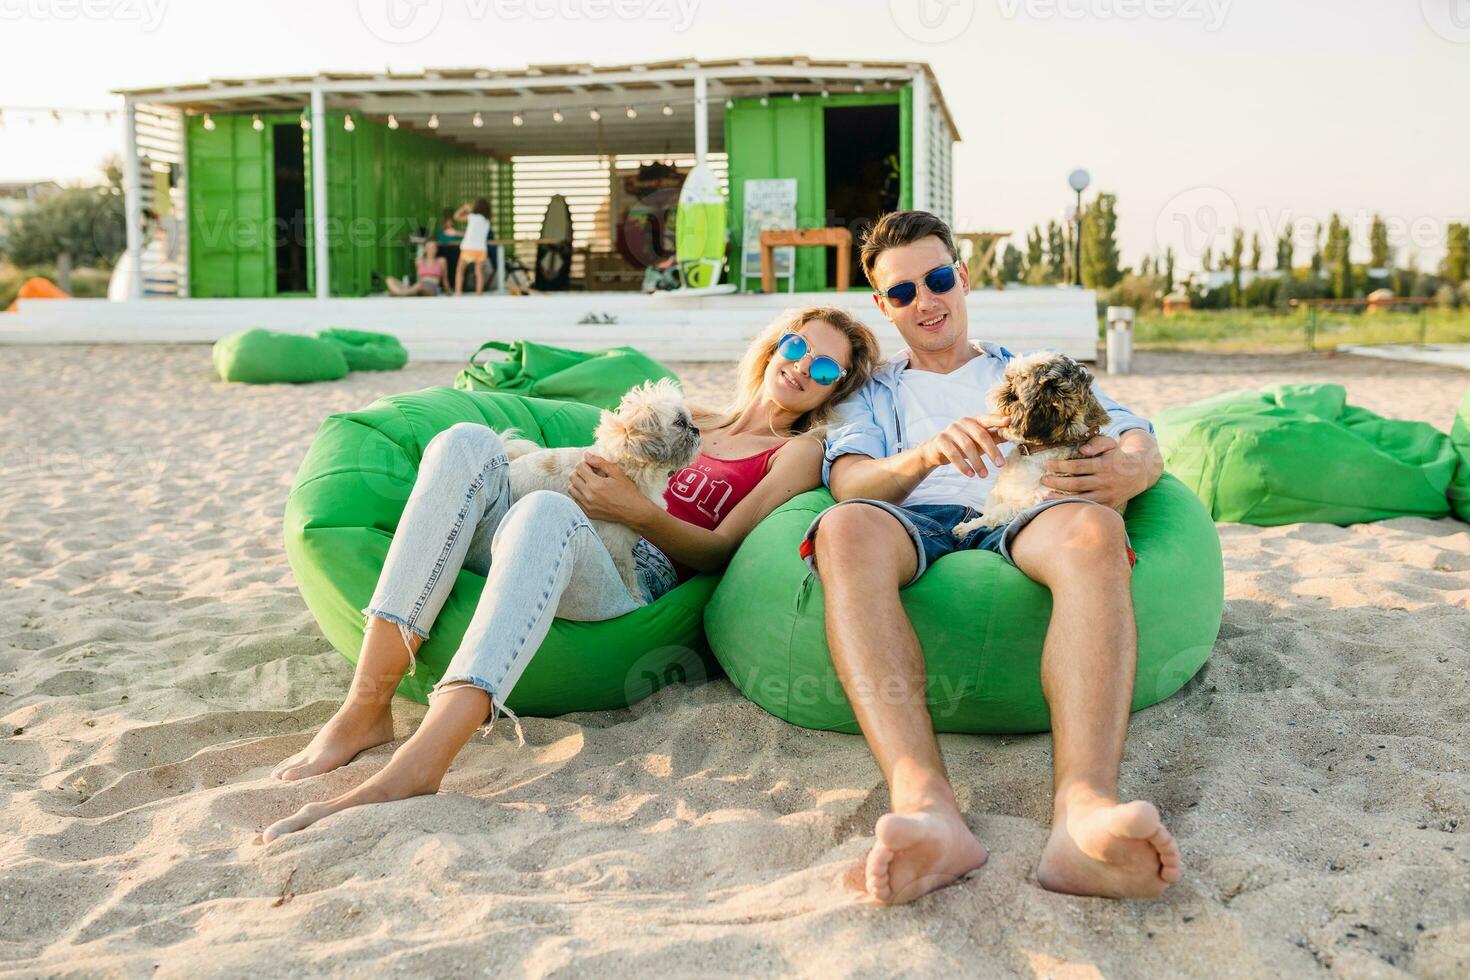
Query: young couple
point(907, 458)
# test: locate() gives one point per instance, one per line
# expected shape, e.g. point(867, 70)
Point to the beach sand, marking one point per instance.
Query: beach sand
point(158, 661)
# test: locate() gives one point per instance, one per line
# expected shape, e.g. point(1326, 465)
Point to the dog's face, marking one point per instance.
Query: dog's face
point(652, 428)
point(1049, 400)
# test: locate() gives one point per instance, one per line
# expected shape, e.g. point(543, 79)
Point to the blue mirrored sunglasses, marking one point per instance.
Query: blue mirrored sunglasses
point(823, 369)
point(940, 280)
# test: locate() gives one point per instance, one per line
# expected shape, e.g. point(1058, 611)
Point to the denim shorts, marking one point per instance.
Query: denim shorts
point(931, 526)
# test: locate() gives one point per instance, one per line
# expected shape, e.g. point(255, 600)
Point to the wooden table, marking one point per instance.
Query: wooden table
point(838, 238)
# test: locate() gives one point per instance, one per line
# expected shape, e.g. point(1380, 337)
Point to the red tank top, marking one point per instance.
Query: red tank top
point(704, 492)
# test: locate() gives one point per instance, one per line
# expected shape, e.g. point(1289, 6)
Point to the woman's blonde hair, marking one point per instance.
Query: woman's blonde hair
point(752, 371)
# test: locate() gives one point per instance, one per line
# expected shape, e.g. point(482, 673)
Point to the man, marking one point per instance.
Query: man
point(907, 449)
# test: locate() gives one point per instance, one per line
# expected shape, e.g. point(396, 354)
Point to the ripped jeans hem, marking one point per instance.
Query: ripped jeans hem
point(497, 706)
point(406, 630)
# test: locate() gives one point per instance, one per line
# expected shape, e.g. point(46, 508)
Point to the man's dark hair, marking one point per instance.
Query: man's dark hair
point(898, 228)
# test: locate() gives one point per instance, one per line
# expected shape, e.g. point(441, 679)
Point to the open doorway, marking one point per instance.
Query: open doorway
point(862, 150)
point(290, 216)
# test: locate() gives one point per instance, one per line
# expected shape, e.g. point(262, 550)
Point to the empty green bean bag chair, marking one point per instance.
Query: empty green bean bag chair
point(1459, 493)
point(980, 621)
point(268, 357)
point(597, 377)
point(1298, 453)
point(367, 351)
point(346, 502)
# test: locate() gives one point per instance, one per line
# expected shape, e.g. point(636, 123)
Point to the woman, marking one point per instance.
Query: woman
point(432, 273)
point(761, 452)
point(474, 246)
point(449, 236)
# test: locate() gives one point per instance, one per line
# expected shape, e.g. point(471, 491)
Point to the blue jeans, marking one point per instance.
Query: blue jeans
point(931, 528)
point(540, 556)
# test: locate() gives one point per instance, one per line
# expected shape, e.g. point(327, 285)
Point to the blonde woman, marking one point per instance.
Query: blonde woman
point(763, 450)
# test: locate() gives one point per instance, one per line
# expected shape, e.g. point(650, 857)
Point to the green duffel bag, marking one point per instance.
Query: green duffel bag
point(597, 377)
point(1460, 435)
point(980, 620)
point(1291, 454)
point(266, 357)
point(367, 351)
point(345, 505)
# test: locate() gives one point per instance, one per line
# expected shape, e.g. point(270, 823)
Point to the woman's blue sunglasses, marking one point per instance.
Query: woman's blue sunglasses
point(823, 369)
point(940, 280)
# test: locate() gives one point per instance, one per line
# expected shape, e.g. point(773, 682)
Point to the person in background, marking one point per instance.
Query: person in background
point(448, 237)
point(474, 247)
point(431, 272)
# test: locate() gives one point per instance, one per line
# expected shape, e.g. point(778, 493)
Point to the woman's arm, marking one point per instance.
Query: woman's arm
point(443, 269)
point(463, 214)
point(604, 493)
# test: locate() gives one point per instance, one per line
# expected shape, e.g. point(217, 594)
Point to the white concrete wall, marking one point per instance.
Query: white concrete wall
point(668, 327)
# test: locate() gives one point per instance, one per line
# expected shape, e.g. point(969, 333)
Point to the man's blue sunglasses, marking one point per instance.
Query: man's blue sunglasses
point(940, 280)
point(823, 369)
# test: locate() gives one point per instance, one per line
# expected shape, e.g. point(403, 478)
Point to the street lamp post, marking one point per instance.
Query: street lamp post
point(1078, 181)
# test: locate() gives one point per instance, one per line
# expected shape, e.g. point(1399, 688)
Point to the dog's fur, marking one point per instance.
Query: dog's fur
point(1053, 412)
point(650, 437)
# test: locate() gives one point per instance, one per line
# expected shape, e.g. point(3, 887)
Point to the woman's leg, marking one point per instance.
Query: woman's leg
point(459, 277)
point(548, 562)
point(396, 286)
point(479, 277)
point(458, 501)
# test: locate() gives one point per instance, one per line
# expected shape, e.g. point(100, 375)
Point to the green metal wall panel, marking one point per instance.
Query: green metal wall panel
point(906, 148)
point(231, 212)
point(786, 139)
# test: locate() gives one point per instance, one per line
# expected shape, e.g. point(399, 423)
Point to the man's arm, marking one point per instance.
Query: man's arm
point(1111, 471)
point(965, 444)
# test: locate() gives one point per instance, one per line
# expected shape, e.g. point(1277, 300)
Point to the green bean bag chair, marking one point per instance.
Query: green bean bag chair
point(268, 357)
point(345, 505)
point(367, 351)
point(1459, 493)
point(1291, 454)
point(980, 621)
point(597, 377)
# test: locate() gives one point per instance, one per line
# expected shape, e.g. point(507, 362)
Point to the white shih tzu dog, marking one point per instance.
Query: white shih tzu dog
point(650, 437)
point(1053, 413)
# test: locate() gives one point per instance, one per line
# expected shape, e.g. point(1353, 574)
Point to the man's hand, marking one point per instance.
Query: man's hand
point(965, 443)
point(605, 493)
point(1108, 472)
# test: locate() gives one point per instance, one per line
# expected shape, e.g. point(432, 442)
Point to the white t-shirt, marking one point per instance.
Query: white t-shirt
point(476, 233)
point(928, 403)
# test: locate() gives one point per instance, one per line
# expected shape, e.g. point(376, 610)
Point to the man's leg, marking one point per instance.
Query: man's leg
point(1097, 846)
point(863, 556)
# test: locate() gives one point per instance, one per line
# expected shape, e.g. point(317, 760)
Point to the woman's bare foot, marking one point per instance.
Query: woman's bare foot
point(919, 852)
point(1113, 850)
point(401, 779)
point(352, 730)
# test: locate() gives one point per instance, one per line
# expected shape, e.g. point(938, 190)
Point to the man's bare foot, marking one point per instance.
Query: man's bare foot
point(349, 732)
point(916, 853)
point(396, 781)
point(1113, 850)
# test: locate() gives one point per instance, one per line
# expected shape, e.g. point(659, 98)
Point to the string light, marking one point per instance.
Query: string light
point(888, 83)
point(556, 115)
point(826, 93)
point(256, 123)
point(516, 119)
point(305, 123)
point(668, 110)
point(631, 112)
point(348, 124)
point(392, 121)
point(795, 96)
point(594, 115)
point(858, 87)
point(477, 120)
point(729, 104)
point(433, 120)
point(208, 121)
point(765, 101)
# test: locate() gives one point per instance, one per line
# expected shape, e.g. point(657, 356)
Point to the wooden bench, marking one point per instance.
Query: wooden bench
point(838, 238)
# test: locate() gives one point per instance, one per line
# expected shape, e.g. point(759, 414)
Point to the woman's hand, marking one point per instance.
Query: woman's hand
point(605, 493)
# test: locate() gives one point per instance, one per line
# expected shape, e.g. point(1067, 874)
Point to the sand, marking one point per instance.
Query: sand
point(158, 661)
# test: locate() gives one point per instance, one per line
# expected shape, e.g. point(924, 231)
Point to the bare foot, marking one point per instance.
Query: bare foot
point(393, 782)
point(346, 734)
point(1114, 850)
point(919, 852)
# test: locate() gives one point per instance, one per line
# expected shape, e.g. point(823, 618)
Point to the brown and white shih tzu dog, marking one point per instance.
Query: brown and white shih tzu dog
point(650, 437)
point(1053, 413)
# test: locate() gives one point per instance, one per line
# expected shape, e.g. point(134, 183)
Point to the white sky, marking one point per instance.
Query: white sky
point(1193, 112)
